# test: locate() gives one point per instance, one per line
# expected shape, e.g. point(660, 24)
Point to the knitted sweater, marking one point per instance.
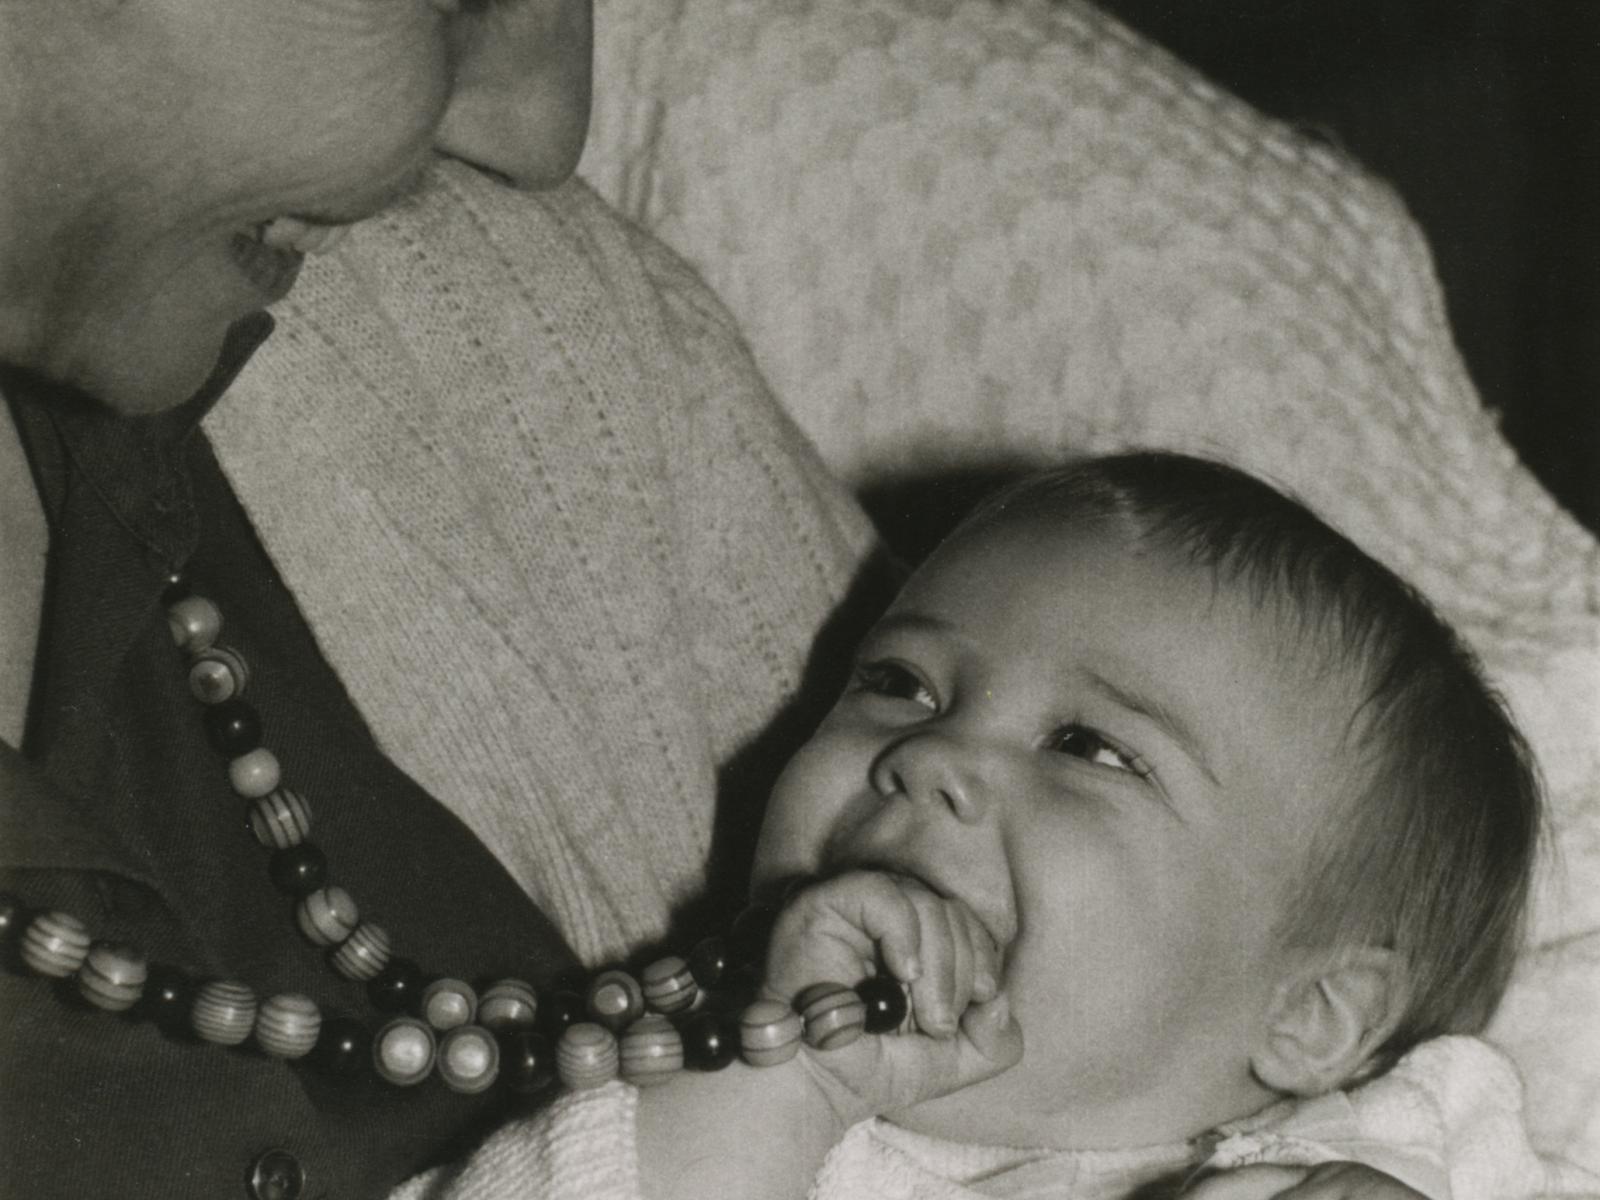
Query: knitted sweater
point(565, 553)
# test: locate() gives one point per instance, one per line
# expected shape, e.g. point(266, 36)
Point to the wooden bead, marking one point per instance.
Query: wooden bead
point(55, 944)
point(113, 977)
point(403, 1051)
point(448, 1003)
point(195, 623)
point(364, 953)
point(508, 1006)
point(344, 1049)
point(710, 1041)
point(327, 916)
point(255, 774)
point(650, 1051)
point(469, 1059)
point(218, 674)
point(769, 1033)
point(884, 1002)
point(232, 727)
point(709, 961)
point(12, 913)
point(280, 819)
point(615, 999)
point(668, 985)
point(833, 1015)
point(396, 987)
point(168, 999)
point(298, 870)
point(559, 1011)
point(224, 1012)
point(527, 1063)
point(288, 1025)
point(586, 1056)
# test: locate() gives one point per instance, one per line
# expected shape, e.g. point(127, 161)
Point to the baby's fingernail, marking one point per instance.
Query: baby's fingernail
point(984, 987)
point(996, 1012)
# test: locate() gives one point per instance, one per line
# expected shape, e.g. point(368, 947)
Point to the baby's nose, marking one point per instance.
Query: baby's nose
point(934, 768)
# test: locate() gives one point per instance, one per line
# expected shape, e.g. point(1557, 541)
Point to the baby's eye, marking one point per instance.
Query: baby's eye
point(1080, 741)
point(895, 681)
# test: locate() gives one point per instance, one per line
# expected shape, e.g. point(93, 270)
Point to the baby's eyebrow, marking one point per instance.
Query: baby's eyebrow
point(1153, 710)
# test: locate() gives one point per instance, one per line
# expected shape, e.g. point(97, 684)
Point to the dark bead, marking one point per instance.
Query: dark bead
point(886, 1003)
point(232, 728)
point(396, 988)
point(709, 961)
point(344, 1048)
point(710, 1041)
point(747, 940)
point(13, 916)
point(559, 1010)
point(177, 587)
point(298, 870)
point(276, 1175)
point(527, 1063)
point(168, 996)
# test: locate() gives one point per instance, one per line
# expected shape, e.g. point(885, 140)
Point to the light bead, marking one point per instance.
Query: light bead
point(403, 1052)
point(669, 985)
point(651, 1051)
point(195, 623)
point(327, 916)
point(364, 953)
point(469, 1059)
point(615, 999)
point(288, 1025)
point(218, 674)
point(280, 819)
point(112, 977)
point(769, 1033)
point(448, 1003)
point(224, 1012)
point(586, 1056)
point(255, 774)
point(55, 944)
point(833, 1014)
point(509, 1006)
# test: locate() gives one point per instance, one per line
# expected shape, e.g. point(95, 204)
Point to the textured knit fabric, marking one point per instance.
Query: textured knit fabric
point(564, 552)
point(959, 232)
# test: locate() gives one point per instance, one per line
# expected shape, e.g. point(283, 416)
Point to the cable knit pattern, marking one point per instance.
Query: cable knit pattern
point(548, 526)
point(962, 232)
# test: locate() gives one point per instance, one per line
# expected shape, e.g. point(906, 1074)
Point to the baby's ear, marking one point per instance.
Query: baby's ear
point(1328, 1018)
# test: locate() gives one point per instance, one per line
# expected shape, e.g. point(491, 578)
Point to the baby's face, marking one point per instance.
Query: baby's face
point(1116, 765)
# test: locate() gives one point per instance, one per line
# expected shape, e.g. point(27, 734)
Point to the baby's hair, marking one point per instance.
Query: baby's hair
point(1434, 856)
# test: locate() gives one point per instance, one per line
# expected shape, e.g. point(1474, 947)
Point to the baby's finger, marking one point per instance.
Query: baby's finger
point(985, 957)
point(839, 929)
point(934, 993)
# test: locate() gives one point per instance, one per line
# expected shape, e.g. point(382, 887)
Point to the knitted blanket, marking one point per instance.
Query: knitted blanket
point(959, 232)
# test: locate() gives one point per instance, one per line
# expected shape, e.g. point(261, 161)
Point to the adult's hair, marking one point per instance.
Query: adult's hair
point(1432, 853)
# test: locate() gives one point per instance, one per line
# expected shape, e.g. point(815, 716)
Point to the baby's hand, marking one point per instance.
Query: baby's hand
point(959, 1030)
point(863, 922)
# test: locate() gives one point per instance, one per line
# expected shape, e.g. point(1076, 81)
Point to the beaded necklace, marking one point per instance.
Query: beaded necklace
point(677, 1013)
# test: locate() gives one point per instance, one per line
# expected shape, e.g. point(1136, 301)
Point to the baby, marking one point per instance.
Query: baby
point(1149, 766)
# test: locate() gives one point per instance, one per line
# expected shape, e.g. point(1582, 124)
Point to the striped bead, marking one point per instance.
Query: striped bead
point(651, 1051)
point(255, 774)
point(224, 1012)
point(112, 977)
point(508, 1006)
point(218, 674)
point(327, 916)
point(403, 1052)
point(469, 1059)
point(288, 1025)
point(586, 1056)
point(364, 953)
point(833, 1014)
point(769, 1033)
point(668, 985)
point(615, 999)
point(55, 944)
point(280, 819)
point(448, 1003)
point(195, 623)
